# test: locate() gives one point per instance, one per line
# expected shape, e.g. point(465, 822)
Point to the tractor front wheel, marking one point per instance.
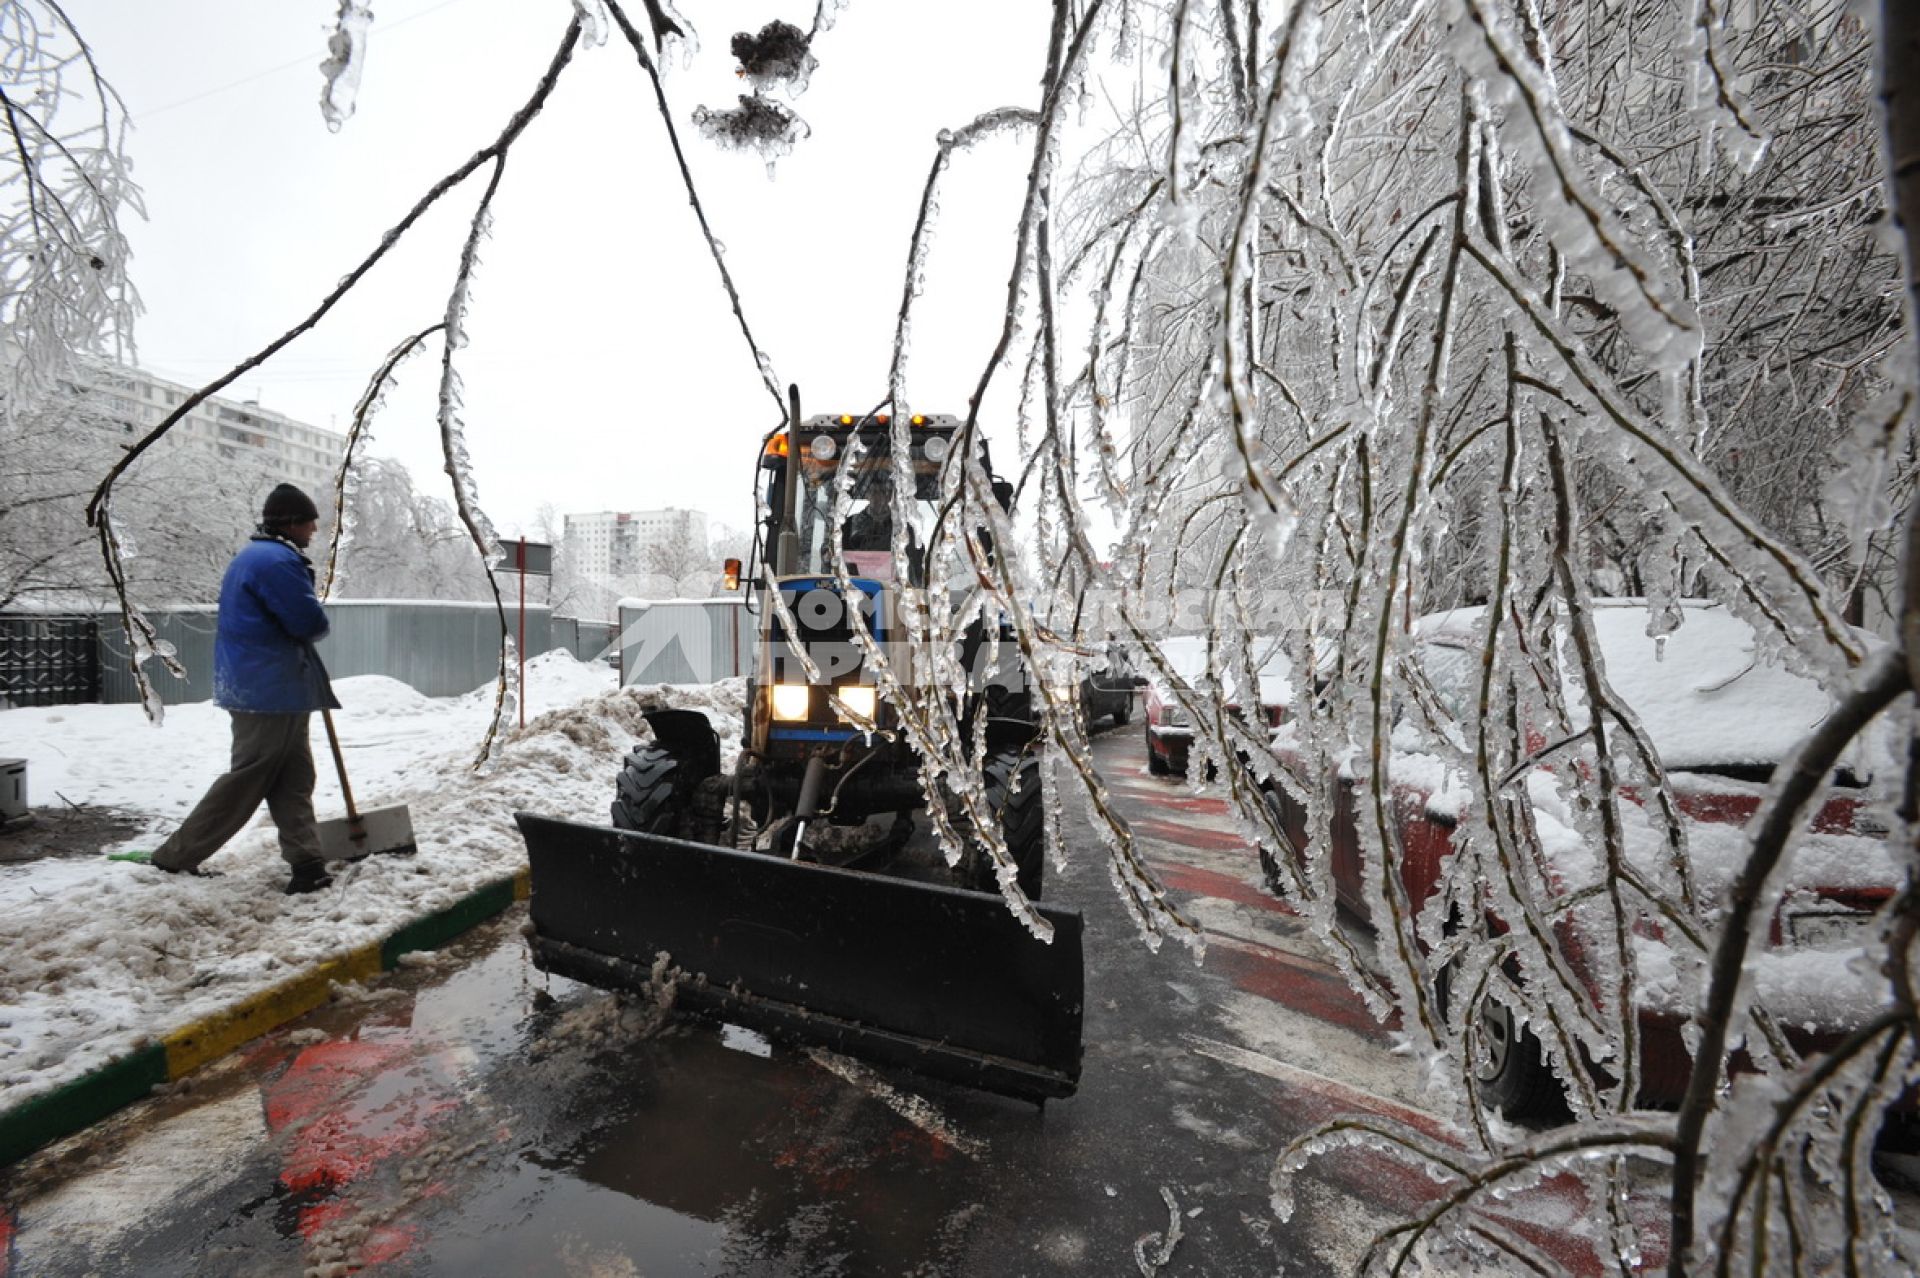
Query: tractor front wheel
point(653, 794)
point(1013, 794)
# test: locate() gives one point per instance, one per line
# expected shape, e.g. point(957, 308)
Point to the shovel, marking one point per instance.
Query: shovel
point(361, 834)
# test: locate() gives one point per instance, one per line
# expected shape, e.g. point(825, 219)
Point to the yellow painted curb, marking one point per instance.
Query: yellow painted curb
point(194, 1045)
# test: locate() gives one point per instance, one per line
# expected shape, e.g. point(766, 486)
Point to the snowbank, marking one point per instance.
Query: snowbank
point(103, 956)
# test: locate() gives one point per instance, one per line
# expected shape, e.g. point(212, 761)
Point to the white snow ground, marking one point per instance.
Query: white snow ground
point(103, 956)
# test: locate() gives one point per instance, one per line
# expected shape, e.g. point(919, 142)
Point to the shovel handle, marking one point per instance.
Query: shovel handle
point(340, 762)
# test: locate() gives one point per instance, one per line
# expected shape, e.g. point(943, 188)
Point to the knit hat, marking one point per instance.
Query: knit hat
point(286, 506)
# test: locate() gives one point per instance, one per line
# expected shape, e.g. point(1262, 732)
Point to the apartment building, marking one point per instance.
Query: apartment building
point(608, 544)
point(135, 401)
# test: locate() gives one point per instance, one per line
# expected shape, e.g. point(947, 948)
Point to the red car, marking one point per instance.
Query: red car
point(1169, 730)
point(1720, 716)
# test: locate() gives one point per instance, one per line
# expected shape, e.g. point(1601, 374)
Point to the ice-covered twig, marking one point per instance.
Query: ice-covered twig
point(1161, 1242)
point(346, 62)
point(363, 411)
point(458, 467)
point(1800, 781)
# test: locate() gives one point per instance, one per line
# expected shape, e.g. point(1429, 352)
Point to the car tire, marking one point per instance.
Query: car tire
point(1269, 859)
point(651, 795)
point(1516, 1079)
point(1155, 764)
point(1013, 795)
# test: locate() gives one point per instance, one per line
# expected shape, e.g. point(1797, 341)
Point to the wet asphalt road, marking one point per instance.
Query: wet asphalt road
point(470, 1115)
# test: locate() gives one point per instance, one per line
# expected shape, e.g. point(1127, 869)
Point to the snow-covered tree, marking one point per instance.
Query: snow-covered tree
point(1507, 303)
point(192, 516)
point(64, 188)
point(405, 544)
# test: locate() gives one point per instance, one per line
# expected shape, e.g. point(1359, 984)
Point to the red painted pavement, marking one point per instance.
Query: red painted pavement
point(1192, 836)
point(340, 1126)
point(1305, 985)
point(1160, 797)
point(1543, 1215)
point(335, 1140)
point(1223, 887)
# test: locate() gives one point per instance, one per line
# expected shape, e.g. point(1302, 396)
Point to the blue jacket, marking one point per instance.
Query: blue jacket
point(263, 657)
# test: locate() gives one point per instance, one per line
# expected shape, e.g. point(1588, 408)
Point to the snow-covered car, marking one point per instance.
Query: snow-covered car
point(1720, 716)
point(1169, 728)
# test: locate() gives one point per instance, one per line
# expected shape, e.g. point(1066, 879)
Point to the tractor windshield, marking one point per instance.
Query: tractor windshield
point(867, 533)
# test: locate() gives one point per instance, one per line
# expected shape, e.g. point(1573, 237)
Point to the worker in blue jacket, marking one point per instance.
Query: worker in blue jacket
point(267, 675)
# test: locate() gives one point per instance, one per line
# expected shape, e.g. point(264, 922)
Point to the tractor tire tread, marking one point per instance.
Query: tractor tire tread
point(1022, 815)
point(649, 797)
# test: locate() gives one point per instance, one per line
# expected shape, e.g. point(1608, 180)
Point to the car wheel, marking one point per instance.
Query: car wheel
point(1013, 794)
point(651, 793)
point(1155, 764)
point(1269, 859)
point(1514, 1078)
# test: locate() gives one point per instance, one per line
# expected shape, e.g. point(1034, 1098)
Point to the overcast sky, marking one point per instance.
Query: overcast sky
point(605, 371)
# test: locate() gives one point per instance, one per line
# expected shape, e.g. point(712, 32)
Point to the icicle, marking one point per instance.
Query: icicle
point(346, 61)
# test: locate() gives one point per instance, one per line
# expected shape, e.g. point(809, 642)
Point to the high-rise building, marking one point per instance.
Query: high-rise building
point(286, 450)
point(609, 544)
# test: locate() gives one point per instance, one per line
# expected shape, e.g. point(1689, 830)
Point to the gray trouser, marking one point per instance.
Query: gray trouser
point(272, 760)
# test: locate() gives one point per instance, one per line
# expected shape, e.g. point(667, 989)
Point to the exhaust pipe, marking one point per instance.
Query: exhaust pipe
point(786, 561)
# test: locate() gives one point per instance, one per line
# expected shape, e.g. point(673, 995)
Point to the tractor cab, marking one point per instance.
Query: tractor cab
point(872, 503)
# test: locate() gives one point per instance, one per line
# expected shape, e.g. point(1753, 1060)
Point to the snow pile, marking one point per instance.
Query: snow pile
point(104, 957)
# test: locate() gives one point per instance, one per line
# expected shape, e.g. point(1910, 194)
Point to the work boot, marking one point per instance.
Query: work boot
point(309, 876)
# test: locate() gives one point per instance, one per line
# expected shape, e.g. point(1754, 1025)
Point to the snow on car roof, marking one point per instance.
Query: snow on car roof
point(1187, 655)
point(1704, 694)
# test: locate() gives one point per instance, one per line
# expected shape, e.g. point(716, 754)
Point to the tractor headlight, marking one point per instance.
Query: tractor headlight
point(823, 448)
point(858, 698)
point(934, 448)
point(791, 700)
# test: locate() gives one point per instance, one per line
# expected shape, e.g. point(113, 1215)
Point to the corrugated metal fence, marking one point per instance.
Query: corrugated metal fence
point(685, 640)
point(440, 649)
point(587, 640)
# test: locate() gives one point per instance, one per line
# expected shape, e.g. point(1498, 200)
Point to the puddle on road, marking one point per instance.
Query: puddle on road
point(502, 1121)
point(469, 1115)
point(696, 1149)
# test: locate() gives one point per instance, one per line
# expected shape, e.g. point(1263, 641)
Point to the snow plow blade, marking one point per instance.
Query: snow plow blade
point(939, 980)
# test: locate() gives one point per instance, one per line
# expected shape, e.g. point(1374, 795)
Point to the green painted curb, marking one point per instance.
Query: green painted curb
point(78, 1104)
point(435, 930)
point(87, 1100)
